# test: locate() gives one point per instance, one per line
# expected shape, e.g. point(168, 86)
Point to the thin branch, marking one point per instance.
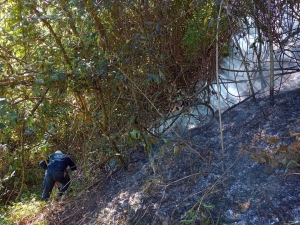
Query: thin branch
point(218, 85)
point(97, 22)
point(38, 103)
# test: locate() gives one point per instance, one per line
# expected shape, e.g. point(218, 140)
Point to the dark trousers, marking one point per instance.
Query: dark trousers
point(53, 176)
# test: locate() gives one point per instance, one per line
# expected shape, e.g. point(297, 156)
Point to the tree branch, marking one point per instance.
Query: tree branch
point(57, 39)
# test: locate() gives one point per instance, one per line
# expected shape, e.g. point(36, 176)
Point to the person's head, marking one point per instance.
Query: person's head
point(58, 151)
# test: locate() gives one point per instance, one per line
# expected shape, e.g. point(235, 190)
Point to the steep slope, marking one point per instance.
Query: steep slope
point(250, 185)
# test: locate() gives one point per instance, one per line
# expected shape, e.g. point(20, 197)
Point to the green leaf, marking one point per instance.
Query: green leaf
point(3, 110)
point(2, 126)
point(14, 115)
point(54, 77)
point(62, 76)
point(187, 221)
point(161, 74)
point(166, 141)
point(132, 119)
point(135, 134)
point(208, 206)
point(191, 213)
point(152, 78)
point(39, 81)
point(176, 150)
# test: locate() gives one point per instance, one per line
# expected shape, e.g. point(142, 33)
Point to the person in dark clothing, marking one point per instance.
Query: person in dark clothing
point(56, 167)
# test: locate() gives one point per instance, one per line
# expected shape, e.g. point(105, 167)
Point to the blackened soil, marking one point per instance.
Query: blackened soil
point(254, 181)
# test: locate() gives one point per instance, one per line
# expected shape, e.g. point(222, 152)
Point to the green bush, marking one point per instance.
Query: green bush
point(24, 211)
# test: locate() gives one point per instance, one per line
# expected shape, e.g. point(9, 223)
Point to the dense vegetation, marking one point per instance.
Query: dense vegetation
point(95, 78)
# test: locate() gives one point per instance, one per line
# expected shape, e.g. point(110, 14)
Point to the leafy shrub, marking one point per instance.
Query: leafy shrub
point(22, 212)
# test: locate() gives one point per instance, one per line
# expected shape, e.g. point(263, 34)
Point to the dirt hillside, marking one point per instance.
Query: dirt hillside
point(256, 181)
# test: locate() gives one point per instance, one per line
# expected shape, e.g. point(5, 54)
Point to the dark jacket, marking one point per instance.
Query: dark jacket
point(58, 161)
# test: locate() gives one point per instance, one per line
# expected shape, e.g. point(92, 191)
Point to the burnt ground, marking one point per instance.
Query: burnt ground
point(256, 182)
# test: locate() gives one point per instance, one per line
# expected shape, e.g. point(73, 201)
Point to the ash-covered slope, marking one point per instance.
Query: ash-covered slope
point(199, 186)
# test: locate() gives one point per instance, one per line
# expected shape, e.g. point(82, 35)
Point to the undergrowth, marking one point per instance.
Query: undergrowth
point(29, 210)
point(24, 212)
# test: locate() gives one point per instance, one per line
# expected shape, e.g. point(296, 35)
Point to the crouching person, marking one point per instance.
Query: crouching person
point(56, 166)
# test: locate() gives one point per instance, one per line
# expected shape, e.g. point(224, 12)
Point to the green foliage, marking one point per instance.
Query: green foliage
point(225, 51)
point(96, 79)
point(93, 84)
point(192, 216)
point(200, 213)
point(201, 28)
point(22, 212)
